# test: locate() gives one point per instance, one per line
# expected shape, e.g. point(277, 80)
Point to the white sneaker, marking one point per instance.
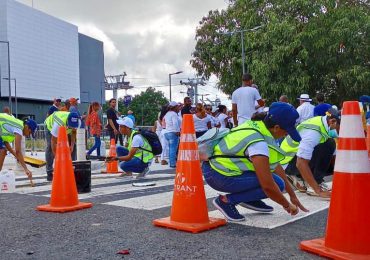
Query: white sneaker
point(141, 175)
point(325, 187)
point(310, 191)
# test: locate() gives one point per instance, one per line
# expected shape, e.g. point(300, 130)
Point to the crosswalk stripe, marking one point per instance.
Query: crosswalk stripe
point(156, 201)
point(279, 216)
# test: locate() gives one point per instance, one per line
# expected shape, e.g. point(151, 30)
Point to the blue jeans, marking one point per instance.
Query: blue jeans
point(96, 146)
point(134, 165)
point(173, 143)
point(242, 188)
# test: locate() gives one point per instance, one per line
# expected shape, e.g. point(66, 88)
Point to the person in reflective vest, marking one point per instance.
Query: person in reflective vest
point(313, 157)
point(53, 122)
point(13, 130)
point(137, 156)
point(245, 164)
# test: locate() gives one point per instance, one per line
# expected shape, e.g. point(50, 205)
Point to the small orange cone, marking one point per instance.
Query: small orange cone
point(112, 167)
point(189, 206)
point(348, 228)
point(64, 196)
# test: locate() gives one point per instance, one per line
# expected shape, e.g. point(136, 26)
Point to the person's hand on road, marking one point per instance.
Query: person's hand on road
point(292, 209)
point(295, 201)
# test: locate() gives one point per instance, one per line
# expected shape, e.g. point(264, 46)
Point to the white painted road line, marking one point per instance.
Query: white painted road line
point(155, 201)
point(279, 216)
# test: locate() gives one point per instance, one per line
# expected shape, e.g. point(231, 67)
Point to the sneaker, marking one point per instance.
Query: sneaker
point(257, 205)
point(142, 174)
point(229, 210)
point(164, 162)
point(156, 160)
point(297, 183)
point(325, 187)
point(311, 192)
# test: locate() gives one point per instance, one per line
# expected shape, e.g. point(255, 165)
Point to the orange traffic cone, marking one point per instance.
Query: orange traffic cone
point(347, 231)
point(64, 196)
point(189, 206)
point(112, 167)
point(368, 140)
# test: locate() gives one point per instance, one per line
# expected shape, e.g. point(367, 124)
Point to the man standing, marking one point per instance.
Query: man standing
point(187, 106)
point(55, 106)
point(112, 122)
point(243, 100)
point(305, 109)
point(321, 107)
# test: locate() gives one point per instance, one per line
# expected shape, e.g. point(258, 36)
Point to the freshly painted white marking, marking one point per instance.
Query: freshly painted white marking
point(279, 216)
point(351, 126)
point(155, 201)
point(355, 162)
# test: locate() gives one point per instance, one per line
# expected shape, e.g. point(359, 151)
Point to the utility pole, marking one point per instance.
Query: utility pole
point(193, 84)
point(116, 82)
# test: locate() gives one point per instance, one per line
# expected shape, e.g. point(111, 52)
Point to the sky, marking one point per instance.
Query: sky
point(147, 39)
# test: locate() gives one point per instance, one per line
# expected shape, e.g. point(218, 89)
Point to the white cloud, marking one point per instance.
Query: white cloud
point(110, 50)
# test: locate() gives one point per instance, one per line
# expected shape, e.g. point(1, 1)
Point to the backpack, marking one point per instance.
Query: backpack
point(153, 141)
point(208, 141)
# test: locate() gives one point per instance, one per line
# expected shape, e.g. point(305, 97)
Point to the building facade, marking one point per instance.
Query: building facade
point(48, 59)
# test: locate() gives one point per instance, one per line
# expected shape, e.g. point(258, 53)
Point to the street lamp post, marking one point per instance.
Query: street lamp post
point(10, 100)
point(15, 95)
point(169, 79)
point(242, 41)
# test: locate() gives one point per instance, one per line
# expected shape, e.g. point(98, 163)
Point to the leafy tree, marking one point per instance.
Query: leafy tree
point(145, 106)
point(304, 46)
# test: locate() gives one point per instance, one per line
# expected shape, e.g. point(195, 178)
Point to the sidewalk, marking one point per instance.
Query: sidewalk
point(39, 174)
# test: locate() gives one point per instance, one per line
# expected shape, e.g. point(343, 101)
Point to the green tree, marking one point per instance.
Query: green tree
point(304, 46)
point(145, 106)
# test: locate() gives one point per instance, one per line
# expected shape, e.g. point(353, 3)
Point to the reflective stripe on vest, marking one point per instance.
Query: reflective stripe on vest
point(290, 147)
point(11, 121)
point(59, 117)
point(229, 157)
point(141, 154)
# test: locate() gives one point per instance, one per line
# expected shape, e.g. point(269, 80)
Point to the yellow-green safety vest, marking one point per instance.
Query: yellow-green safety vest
point(290, 147)
point(142, 152)
point(59, 117)
point(8, 120)
point(229, 157)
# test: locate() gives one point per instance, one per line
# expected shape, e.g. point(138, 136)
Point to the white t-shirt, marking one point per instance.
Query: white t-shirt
point(244, 98)
point(221, 117)
point(172, 122)
point(305, 112)
point(310, 138)
point(55, 129)
point(13, 129)
point(258, 148)
point(200, 124)
point(214, 120)
point(137, 141)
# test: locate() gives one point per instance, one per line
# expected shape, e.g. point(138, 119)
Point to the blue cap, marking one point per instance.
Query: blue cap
point(32, 125)
point(73, 120)
point(285, 116)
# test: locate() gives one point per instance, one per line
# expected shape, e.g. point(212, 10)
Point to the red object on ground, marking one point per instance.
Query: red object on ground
point(124, 252)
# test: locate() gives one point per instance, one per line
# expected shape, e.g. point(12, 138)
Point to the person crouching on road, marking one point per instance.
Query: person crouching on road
point(12, 130)
point(137, 156)
point(312, 158)
point(53, 122)
point(245, 164)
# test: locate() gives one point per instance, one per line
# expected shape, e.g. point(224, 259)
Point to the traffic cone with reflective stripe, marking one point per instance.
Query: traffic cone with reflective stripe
point(64, 196)
point(112, 167)
point(348, 228)
point(189, 210)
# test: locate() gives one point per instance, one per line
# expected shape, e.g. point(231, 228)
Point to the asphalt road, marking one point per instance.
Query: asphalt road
point(103, 230)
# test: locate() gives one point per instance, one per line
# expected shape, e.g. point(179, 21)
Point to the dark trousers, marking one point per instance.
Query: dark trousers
point(116, 137)
point(321, 164)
